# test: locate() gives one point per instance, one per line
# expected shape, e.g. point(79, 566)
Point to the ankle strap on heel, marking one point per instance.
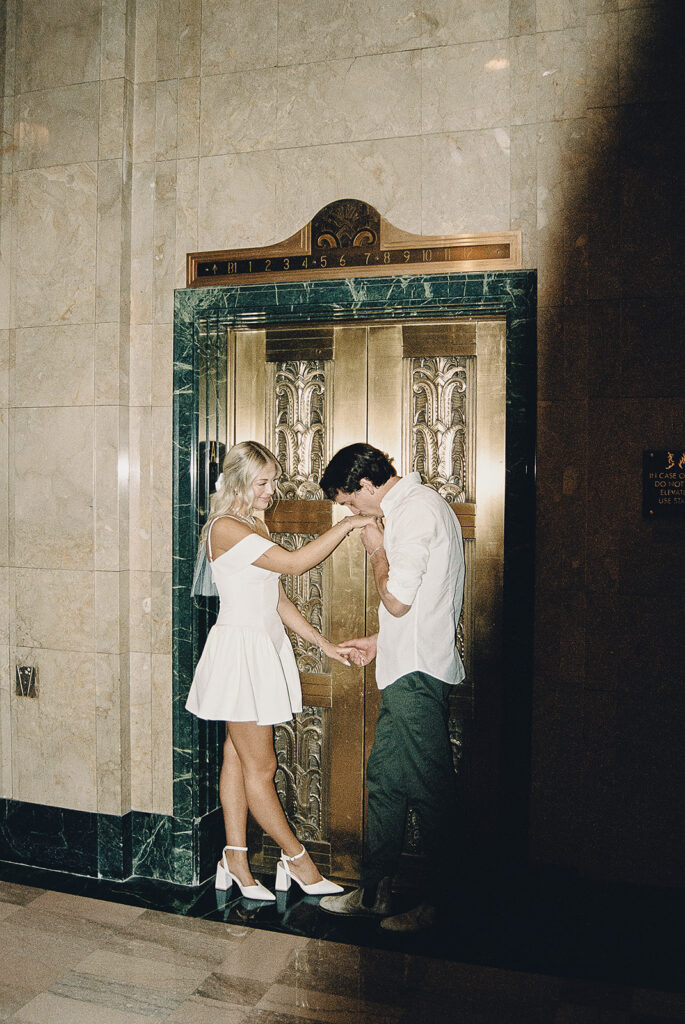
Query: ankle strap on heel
point(296, 857)
point(242, 848)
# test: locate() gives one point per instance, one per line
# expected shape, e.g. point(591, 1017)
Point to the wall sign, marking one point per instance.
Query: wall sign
point(663, 483)
point(349, 238)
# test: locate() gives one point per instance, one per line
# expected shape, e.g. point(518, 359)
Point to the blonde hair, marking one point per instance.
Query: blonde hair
point(242, 465)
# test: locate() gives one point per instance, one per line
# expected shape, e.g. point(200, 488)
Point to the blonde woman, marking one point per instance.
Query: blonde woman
point(247, 675)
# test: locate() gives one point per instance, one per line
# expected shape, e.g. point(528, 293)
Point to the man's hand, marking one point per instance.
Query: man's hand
point(372, 535)
point(360, 651)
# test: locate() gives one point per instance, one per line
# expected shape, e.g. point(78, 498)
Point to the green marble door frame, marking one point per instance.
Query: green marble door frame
point(183, 848)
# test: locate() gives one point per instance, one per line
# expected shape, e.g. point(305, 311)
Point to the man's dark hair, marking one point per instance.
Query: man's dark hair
point(350, 465)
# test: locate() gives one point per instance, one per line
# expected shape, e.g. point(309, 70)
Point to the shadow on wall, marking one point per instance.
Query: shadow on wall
point(608, 768)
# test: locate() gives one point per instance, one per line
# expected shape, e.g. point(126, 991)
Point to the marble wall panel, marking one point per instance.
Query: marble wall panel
point(386, 173)
point(602, 60)
point(55, 609)
point(237, 201)
point(523, 58)
point(550, 76)
point(162, 488)
point(139, 482)
point(190, 38)
point(7, 220)
point(140, 389)
point(164, 263)
point(167, 42)
point(52, 487)
point(58, 44)
point(162, 388)
point(4, 487)
point(4, 606)
point(108, 383)
point(140, 622)
point(160, 624)
point(146, 41)
point(8, 145)
point(107, 639)
point(466, 87)
point(162, 734)
point(166, 120)
point(189, 121)
point(56, 126)
point(237, 36)
point(340, 101)
point(4, 366)
point(54, 735)
point(111, 211)
point(114, 41)
point(187, 193)
point(112, 117)
point(55, 245)
point(460, 21)
point(53, 366)
point(524, 187)
point(239, 112)
point(112, 762)
point(144, 106)
point(108, 506)
point(473, 169)
point(522, 17)
point(5, 724)
point(141, 730)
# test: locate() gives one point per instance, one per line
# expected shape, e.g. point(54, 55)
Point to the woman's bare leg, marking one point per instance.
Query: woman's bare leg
point(234, 807)
point(254, 747)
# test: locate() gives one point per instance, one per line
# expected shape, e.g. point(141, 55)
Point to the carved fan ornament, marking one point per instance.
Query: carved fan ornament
point(349, 238)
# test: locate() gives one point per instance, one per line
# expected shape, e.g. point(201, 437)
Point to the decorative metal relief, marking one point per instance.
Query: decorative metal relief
point(299, 426)
point(306, 593)
point(438, 425)
point(299, 776)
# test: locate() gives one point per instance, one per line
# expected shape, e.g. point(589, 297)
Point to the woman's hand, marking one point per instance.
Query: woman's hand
point(358, 522)
point(360, 651)
point(334, 652)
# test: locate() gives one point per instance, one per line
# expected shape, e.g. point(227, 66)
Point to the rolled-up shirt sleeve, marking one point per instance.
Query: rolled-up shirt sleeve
point(408, 552)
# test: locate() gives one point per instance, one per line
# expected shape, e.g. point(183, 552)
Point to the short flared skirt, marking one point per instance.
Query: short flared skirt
point(244, 676)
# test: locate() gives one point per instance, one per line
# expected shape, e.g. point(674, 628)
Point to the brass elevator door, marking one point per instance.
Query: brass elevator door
point(432, 395)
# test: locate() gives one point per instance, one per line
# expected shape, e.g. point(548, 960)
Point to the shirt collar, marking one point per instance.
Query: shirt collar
point(397, 492)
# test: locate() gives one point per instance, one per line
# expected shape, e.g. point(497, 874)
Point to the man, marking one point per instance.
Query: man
point(418, 568)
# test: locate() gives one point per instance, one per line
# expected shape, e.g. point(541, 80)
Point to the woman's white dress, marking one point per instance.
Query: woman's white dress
point(247, 671)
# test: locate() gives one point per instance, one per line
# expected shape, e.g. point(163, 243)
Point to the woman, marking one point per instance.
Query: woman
point(247, 675)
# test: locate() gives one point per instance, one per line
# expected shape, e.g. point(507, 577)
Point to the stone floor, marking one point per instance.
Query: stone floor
point(69, 958)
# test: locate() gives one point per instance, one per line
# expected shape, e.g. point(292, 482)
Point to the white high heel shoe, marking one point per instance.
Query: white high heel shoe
point(224, 880)
point(284, 876)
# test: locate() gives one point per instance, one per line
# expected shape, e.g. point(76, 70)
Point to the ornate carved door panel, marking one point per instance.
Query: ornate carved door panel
point(432, 396)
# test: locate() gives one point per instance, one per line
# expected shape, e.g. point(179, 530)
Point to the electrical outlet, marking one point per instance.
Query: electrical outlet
point(26, 681)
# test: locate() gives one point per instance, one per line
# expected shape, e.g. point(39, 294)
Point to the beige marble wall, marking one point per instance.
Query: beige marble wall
point(137, 131)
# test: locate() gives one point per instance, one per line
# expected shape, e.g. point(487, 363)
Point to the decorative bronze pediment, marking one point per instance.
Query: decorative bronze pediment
point(349, 238)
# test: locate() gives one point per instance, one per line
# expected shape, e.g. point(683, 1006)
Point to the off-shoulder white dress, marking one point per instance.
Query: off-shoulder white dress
point(247, 671)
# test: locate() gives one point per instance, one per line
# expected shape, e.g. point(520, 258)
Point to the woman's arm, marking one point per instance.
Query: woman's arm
point(294, 563)
point(292, 618)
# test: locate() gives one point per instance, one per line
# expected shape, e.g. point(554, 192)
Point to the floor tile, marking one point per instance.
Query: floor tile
point(48, 1008)
point(199, 1011)
point(136, 970)
point(147, 1000)
point(232, 989)
point(101, 911)
point(263, 955)
point(301, 1003)
point(13, 892)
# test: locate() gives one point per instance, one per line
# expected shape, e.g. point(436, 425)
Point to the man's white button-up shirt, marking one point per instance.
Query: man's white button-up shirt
point(425, 553)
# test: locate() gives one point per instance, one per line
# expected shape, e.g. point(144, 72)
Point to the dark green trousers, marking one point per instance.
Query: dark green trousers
point(410, 764)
